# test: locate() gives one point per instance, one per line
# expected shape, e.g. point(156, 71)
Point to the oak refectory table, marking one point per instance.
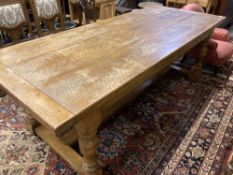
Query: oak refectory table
point(71, 81)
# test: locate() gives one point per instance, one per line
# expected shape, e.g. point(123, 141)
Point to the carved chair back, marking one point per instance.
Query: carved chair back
point(47, 11)
point(107, 9)
point(13, 18)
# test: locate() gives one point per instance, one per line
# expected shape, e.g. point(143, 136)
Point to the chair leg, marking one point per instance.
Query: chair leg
point(50, 24)
point(30, 30)
point(62, 22)
point(15, 35)
point(38, 26)
point(80, 14)
point(71, 8)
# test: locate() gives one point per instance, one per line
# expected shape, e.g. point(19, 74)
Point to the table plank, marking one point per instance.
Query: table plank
point(82, 69)
point(66, 38)
point(33, 100)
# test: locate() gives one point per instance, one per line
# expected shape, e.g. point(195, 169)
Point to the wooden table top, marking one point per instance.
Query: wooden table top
point(61, 77)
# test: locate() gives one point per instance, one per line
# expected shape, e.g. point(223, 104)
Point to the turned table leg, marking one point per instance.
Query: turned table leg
point(87, 129)
point(195, 72)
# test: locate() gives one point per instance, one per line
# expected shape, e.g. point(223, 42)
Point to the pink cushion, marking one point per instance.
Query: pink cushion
point(221, 55)
point(193, 7)
point(221, 34)
point(218, 53)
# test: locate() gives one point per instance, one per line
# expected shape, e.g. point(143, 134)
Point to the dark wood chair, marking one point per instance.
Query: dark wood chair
point(80, 9)
point(47, 15)
point(107, 9)
point(92, 10)
point(13, 19)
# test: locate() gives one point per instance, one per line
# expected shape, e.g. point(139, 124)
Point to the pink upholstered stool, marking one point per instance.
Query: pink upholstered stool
point(219, 54)
point(221, 34)
point(220, 50)
point(193, 7)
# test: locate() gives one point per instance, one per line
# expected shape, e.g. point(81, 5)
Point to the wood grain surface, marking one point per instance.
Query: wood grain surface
point(62, 77)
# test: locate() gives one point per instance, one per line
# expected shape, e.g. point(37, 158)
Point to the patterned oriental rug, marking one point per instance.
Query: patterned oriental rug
point(177, 127)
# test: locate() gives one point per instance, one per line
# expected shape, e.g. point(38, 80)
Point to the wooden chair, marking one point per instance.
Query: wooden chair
point(209, 5)
point(80, 10)
point(176, 3)
point(75, 12)
point(13, 18)
point(47, 11)
point(107, 9)
point(101, 9)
